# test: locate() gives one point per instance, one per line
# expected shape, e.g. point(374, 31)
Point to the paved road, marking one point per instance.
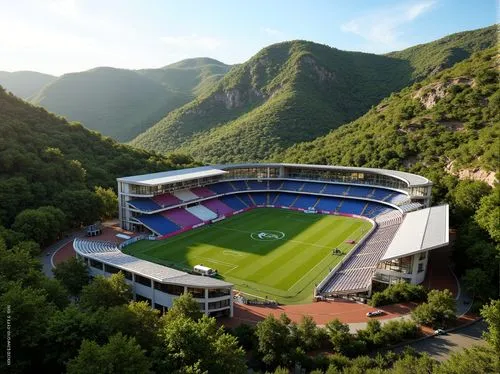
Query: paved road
point(441, 347)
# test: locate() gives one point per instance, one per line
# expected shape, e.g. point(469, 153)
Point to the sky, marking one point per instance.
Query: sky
point(62, 36)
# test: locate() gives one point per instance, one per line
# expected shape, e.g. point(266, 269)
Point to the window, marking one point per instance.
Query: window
point(171, 289)
point(422, 256)
point(218, 304)
point(96, 264)
point(198, 293)
point(142, 280)
point(420, 268)
point(218, 292)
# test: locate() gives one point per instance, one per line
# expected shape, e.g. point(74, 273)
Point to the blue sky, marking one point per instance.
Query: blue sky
point(61, 36)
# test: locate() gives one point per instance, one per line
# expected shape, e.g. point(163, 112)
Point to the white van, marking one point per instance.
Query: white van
point(204, 270)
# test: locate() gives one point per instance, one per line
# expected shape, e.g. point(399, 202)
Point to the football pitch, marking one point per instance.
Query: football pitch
point(267, 252)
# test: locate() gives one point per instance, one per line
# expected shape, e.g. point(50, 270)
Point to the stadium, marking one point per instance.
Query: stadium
point(282, 233)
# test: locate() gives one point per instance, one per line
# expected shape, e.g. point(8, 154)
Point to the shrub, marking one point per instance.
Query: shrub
point(398, 292)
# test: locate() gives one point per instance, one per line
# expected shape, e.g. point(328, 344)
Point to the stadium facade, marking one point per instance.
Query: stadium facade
point(160, 205)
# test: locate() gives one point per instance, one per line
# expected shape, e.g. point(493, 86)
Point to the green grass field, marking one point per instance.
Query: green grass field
point(269, 252)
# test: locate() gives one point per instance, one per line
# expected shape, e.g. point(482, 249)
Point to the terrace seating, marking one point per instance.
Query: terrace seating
point(328, 204)
point(305, 201)
point(95, 246)
point(272, 196)
point(239, 185)
point(181, 217)
point(256, 185)
point(356, 272)
point(380, 194)
point(292, 186)
point(158, 224)
point(217, 206)
point(359, 191)
point(185, 195)
point(260, 198)
point(202, 192)
point(146, 205)
point(313, 187)
point(221, 188)
point(246, 199)
point(334, 189)
point(352, 206)
point(410, 207)
point(202, 212)
point(166, 200)
point(233, 202)
point(285, 199)
point(275, 185)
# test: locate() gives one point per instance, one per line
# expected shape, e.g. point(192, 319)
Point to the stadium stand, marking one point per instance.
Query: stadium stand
point(328, 204)
point(158, 224)
point(185, 195)
point(202, 192)
point(233, 202)
point(334, 189)
point(217, 206)
point(360, 191)
point(260, 198)
point(352, 206)
point(275, 185)
point(272, 196)
point(357, 271)
point(145, 205)
point(313, 187)
point(246, 199)
point(166, 200)
point(239, 185)
point(285, 199)
point(256, 185)
point(410, 207)
point(292, 185)
point(202, 212)
point(221, 188)
point(181, 217)
point(305, 201)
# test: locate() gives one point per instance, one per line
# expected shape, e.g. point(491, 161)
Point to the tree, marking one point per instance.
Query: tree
point(105, 292)
point(73, 274)
point(477, 282)
point(468, 194)
point(308, 334)
point(339, 335)
point(474, 360)
point(120, 355)
point(136, 319)
point(488, 214)
point(56, 292)
point(491, 313)
point(24, 311)
point(41, 225)
point(438, 311)
point(190, 346)
point(109, 201)
point(82, 207)
point(273, 341)
point(185, 305)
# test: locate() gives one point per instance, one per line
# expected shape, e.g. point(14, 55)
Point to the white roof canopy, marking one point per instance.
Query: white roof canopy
point(172, 176)
point(420, 231)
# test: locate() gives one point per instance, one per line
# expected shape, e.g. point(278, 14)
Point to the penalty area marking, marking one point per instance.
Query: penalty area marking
point(232, 253)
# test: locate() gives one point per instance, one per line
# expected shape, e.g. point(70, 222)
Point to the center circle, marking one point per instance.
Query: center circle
point(267, 235)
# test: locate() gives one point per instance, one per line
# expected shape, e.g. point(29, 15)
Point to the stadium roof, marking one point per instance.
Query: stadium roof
point(411, 179)
point(420, 231)
point(114, 257)
point(172, 176)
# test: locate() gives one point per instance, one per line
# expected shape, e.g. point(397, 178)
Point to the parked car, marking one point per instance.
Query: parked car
point(375, 313)
point(439, 332)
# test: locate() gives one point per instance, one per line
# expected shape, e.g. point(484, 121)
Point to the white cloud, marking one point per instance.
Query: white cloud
point(194, 41)
point(272, 32)
point(383, 27)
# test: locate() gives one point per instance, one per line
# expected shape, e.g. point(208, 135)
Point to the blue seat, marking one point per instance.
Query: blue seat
point(286, 199)
point(220, 188)
point(359, 191)
point(255, 185)
point(313, 187)
point(305, 201)
point(260, 198)
point(292, 185)
point(159, 224)
point(335, 189)
point(239, 185)
point(146, 205)
point(246, 199)
point(233, 202)
point(328, 203)
point(352, 206)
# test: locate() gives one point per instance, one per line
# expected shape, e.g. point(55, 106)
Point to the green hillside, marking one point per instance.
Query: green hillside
point(44, 160)
point(292, 92)
point(116, 102)
point(190, 76)
point(25, 84)
point(448, 121)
